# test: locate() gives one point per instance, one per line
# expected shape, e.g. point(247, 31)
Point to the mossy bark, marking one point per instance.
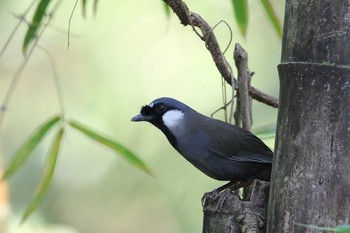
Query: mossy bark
point(310, 177)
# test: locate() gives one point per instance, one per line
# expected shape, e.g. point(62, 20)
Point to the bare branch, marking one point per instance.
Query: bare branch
point(69, 23)
point(262, 97)
point(194, 20)
point(241, 60)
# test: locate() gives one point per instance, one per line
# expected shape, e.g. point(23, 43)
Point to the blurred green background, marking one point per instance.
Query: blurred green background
point(126, 56)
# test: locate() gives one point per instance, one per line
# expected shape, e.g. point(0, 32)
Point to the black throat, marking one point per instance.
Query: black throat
point(158, 122)
point(171, 138)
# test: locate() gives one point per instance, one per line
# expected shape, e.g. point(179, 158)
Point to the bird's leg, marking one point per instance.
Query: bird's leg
point(224, 191)
point(228, 185)
point(228, 188)
point(234, 185)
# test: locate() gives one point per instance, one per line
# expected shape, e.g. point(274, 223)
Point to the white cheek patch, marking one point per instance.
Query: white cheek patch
point(172, 118)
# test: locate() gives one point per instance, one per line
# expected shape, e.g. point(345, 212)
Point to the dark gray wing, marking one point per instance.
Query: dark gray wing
point(245, 157)
point(241, 146)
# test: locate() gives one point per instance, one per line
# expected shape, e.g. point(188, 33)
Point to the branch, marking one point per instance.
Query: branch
point(194, 20)
point(237, 215)
point(262, 97)
point(245, 106)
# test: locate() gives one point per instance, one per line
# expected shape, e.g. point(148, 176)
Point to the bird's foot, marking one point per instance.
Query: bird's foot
point(223, 197)
point(209, 195)
point(223, 192)
point(218, 196)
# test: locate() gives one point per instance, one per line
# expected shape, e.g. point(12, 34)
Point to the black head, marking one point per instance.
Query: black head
point(164, 113)
point(155, 111)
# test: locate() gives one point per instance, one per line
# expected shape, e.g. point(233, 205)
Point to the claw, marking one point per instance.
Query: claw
point(223, 192)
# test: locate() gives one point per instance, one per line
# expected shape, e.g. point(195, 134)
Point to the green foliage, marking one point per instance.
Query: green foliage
point(36, 137)
point(83, 2)
point(167, 9)
point(338, 229)
point(28, 146)
point(35, 24)
point(47, 176)
point(240, 7)
point(343, 229)
point(272, 16)
point(117, 147)
point(38, 17)
point(83, 6)
point(241, 14)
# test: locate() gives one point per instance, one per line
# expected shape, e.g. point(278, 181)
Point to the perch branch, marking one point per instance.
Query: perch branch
point(194, 20)
point(245, 106)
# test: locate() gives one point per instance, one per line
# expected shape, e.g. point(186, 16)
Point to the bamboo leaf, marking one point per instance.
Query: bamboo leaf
point(84, 6)
point(47, 176)
point(272, 16)
point(240, 7)
point(120, 149)
point(34, 25)
point(83, 2)
point(166, 9)
point(28, 146)
point(342, 229)
point(338, 229)
point(95, 7)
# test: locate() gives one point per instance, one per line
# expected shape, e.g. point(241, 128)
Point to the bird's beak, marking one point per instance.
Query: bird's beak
point(140, 117)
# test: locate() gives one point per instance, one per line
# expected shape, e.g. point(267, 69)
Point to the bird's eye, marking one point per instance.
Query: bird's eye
point(160, 108)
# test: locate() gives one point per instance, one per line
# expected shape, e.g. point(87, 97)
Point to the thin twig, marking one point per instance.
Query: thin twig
point(223, 84)
point(21, 19)
point(224, 98)
point(189, 18)
point(221, 108)
point(234, 92)
point(69, 22)
point(212, 45)
point(56, 79)
point(64, 31)
point(20, 68)
point(231, 34)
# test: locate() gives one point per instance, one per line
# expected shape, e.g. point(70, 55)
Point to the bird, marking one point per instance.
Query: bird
point(220, 150)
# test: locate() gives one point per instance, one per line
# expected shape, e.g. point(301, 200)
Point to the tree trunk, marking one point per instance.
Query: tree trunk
point(236, 215)
point(310, 177)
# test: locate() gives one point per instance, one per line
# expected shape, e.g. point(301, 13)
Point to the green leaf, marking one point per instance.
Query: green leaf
point(240, 7)
point(167, 9)
point(315, 227)
point(28, 146)
point(95, 7)
point(126, 153)
point(338, 229)
point(47, 176)
point(342, 229)
point(83, 2)
point(272, 16)
point(34, 25)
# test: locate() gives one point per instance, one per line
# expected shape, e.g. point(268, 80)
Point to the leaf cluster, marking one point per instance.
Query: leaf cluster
point(23, 153)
